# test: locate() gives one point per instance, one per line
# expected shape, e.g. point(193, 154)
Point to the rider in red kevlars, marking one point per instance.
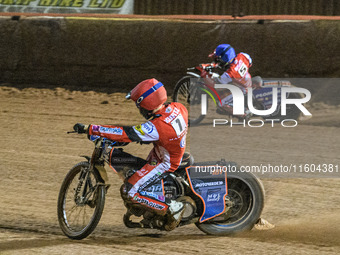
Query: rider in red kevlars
point(236, 71)
point(166, 128)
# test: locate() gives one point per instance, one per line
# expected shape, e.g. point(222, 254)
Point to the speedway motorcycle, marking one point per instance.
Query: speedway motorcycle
point(219, 202)
point(189, 89)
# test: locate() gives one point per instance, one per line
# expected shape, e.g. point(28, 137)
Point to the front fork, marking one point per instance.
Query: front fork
point(82, 187)
point(82, 196)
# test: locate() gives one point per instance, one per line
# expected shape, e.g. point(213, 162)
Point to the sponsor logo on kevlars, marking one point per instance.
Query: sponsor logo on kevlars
point(123, 160)
point(148, 203)
point(151, 194)
point(168, 109)
point(114, 131)
point(154, 178)
point(148, 127)
point(139, 129)
point(172, 116)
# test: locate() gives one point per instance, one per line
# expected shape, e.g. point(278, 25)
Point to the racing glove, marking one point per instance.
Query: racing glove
point(80, 128)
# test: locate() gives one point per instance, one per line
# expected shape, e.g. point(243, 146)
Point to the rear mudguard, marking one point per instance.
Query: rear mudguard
point(210, 187)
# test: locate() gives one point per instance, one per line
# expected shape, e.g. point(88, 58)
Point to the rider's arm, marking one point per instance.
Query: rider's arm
point(250, 61)
point(212, 78)
point(145, 132)
point(224, 78)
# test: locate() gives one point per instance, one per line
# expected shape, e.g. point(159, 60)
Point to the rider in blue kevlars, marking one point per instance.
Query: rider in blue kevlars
point(236, 71)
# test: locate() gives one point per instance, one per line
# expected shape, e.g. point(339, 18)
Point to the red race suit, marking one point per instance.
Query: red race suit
point(238, 71)
point(167, 131)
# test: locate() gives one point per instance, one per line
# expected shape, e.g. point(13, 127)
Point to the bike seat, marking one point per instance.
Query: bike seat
point(187, 160)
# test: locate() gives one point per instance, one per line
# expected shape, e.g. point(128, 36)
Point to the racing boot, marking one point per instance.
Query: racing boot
point(175, 214)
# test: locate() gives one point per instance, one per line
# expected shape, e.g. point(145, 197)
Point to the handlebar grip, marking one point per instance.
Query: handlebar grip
point(70, 132)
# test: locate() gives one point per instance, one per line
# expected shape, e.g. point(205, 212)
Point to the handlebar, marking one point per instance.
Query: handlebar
point(95, 138)
point(206, 67)
point(209, 66)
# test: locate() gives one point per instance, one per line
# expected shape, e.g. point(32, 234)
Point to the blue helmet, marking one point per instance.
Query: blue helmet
point(224, 53)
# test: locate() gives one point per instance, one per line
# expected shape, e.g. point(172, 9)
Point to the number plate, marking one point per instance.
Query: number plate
point(179, 124)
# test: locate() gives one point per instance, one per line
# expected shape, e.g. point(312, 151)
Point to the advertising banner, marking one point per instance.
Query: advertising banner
point(68, 6)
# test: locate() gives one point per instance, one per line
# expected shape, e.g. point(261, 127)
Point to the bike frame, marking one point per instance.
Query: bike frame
point(212, 93)
point(205, 197)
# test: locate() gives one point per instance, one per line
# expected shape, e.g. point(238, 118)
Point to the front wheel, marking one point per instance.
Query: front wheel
point(188, 93)
point(81, 201)
point(244, 204)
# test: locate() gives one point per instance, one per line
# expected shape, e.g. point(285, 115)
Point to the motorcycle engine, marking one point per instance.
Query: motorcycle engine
point(172, 189)
point(189, 207)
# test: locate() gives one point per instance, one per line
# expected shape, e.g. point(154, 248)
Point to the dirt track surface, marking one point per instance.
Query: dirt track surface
point(36, 154)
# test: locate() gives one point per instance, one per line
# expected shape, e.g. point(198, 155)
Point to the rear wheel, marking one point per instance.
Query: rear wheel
point(187, 92)
point(292, 111)
point(244, 204)
point(81, 201)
